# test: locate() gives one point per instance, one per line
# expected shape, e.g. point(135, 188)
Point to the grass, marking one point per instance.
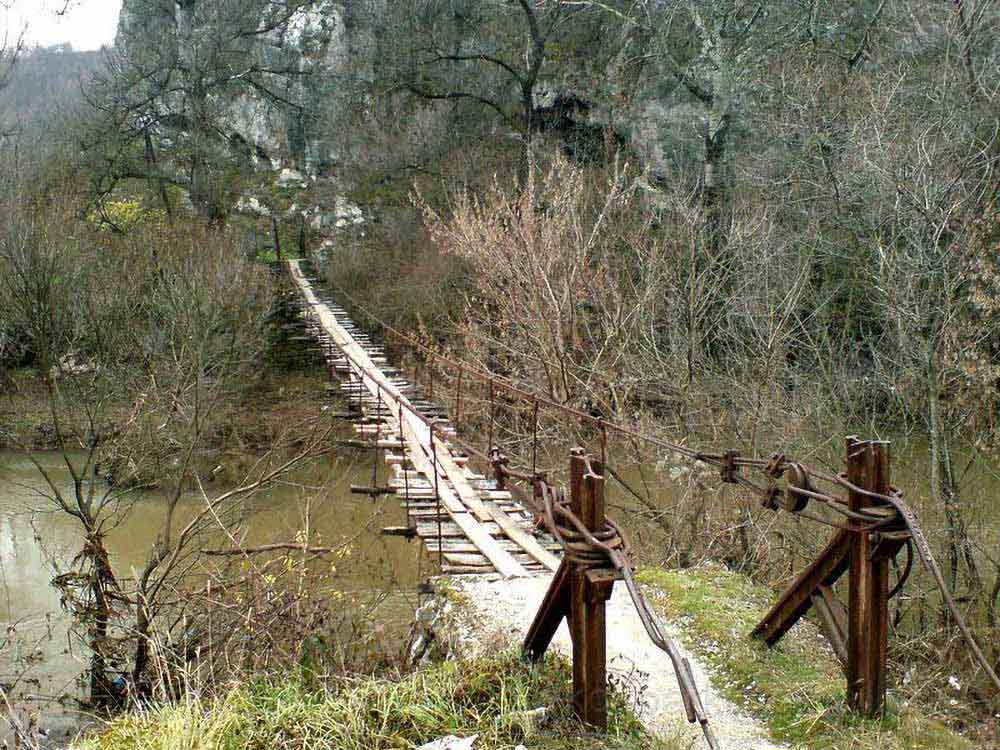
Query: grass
point(494, 697)
point(797, 688)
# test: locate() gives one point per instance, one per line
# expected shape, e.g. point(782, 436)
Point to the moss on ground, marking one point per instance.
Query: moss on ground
point(494, 697)
point(796, 688)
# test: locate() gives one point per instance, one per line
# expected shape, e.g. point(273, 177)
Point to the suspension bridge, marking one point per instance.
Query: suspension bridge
point(517, 523)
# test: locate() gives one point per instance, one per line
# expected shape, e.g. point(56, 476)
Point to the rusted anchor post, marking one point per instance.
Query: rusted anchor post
point(579, 591)
point(868, 596)
point(859, 633)
point(499, 463)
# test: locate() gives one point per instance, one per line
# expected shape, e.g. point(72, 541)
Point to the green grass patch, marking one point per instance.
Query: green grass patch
point(496, 698)
point(796, 688)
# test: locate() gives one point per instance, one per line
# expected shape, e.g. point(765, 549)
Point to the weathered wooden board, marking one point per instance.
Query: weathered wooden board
point(429, 454)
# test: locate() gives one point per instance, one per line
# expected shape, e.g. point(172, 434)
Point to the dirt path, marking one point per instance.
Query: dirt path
point(505, 609)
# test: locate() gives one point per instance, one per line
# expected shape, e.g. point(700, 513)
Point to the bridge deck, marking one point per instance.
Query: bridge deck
point(474, 527)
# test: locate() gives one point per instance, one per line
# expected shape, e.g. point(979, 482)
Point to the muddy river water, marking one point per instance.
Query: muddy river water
point(41, 665)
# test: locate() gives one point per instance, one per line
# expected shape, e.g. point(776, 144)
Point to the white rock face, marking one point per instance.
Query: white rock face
point(297, 126)
point(259, 123)
point(344, 214)
point(291, 178)
point(305, 126)
point(251, 205)
point(348, 213)
point(308, 24)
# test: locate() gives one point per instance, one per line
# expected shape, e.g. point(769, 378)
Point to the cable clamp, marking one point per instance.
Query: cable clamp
point(727, 470)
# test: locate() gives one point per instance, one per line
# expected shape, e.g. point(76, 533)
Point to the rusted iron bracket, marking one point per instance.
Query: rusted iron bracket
point(796, 486)
point(728, 468)
point(793, 604)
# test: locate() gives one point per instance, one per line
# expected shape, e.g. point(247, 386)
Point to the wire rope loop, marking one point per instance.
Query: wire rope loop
point(581, 545)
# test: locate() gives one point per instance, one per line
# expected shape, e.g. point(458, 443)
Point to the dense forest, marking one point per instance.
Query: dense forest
point(764, 224)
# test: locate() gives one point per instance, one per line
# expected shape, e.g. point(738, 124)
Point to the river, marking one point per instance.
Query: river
point(44, 664)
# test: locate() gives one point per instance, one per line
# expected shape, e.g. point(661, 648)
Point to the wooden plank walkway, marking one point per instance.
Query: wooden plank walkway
point(458, 514)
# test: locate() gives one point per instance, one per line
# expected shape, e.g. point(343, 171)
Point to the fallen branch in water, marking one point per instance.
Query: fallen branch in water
point(293, 546)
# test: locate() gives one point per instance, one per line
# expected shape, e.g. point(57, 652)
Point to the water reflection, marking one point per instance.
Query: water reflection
point(36, 541)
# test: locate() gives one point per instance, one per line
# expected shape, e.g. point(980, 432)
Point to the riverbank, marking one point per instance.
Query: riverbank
point(233, 437)
point(471, 683)
point(498, 700)
point(791, 696)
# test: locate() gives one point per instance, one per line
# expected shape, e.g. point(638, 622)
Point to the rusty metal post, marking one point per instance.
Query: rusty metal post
point(579, 592)
point(378, 437)
point(437, 497)
point(588, 595)
point(868, 611)
point(499, 461)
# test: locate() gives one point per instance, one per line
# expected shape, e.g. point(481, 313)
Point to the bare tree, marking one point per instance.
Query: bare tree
point(556, 300)
point(10, 49)
point(935, 173)
point(139, 369)
point(493, 55)
point(176, 81)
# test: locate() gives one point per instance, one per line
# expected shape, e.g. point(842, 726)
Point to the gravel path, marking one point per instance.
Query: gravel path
point(505, 609)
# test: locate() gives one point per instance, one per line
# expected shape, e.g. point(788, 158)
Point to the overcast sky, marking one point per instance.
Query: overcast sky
point(87, 24)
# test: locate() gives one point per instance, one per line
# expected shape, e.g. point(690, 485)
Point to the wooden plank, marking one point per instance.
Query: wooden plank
point(505, 564)
point(403, 531)
point(453, 544)
point(588, 628)
point(587, 618)
point(450, 528)
point(464, 558)
point(502, 560)
point(466, 569)
point(364, 381)
point(486, 511)
point(415, 433)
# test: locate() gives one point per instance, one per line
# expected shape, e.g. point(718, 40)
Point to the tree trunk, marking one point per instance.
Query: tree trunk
point(142, 653)
point(718, 99)
point(101, 692)
point(277, 237)
point(715, 182)
point(945, 490)
point(196, 105)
